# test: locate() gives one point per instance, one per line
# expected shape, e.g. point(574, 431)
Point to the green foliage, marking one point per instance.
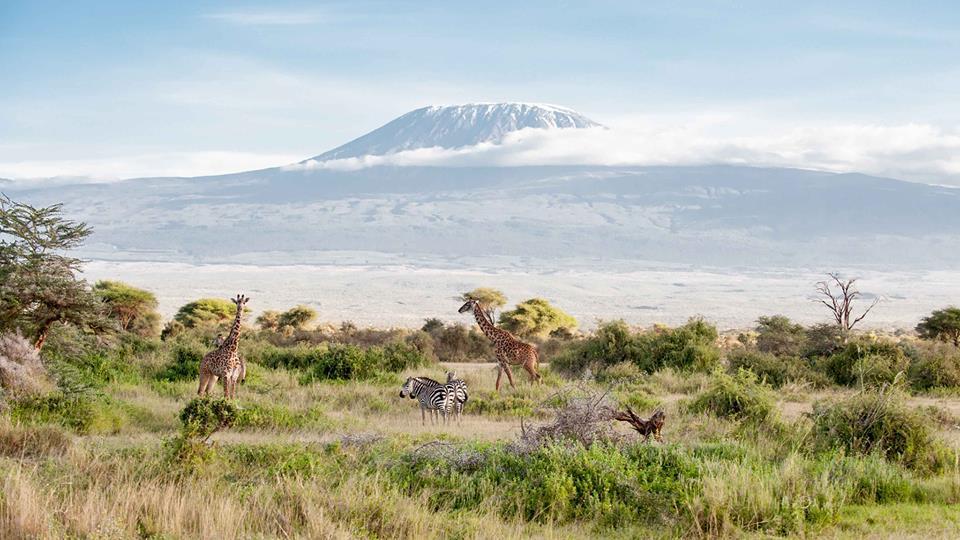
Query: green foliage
point(205, 311)
point(80, 413)
point(775, 370)
point(39, 287)
point(779, 336)
point(878, 422)
point(866, 362)
point(738, 397)
point(555, 484)
point(942, 324)
point(295, 318)
point(343, 362)
point(933, 365)
point(134, 309)
point(690, 347)
point(536, 317)
point(489, 299)
point(184, 364)
point(269, 320)
point(823, 339)
point(203, 416)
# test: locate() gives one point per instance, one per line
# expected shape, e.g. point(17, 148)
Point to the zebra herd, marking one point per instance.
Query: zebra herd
point(439, 398)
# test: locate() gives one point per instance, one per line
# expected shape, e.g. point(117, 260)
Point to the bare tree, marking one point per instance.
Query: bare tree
point(840, 296)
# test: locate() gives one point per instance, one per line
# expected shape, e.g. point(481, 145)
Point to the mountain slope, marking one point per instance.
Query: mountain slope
point(457, 126)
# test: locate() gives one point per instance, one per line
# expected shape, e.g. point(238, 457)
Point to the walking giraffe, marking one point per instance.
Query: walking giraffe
point(224, 361)
point(508, 349)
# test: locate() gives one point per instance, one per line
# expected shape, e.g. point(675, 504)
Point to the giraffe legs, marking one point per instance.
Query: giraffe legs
point(509, 375)
point(207, 380)
point(532, 370)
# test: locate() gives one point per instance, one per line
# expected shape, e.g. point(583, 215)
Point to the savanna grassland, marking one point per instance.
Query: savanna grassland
point(780, 431)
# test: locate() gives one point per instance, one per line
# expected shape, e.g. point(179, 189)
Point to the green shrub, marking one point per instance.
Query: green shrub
point(738, 397)
point(777, 371)
point(933, 365)
point(878, 422)
point(80, 413)
point(343, 362)
point(185, 364)
point(555, 484)
point(202, 417)
point(866, 362)
point(779, 336)
point(690, 347)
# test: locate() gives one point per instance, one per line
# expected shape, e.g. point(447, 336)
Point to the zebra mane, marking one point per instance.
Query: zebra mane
point(426, 379)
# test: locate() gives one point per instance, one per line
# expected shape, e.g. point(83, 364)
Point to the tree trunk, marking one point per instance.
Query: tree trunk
point(42, 335)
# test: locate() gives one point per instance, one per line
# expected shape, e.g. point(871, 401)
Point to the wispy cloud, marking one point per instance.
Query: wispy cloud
point(268, 18)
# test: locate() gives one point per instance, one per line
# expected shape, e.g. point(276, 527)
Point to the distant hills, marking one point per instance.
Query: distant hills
point(580, 214)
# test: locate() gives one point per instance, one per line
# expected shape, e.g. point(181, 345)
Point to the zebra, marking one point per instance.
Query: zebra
point(458, 397)
point(432, 395)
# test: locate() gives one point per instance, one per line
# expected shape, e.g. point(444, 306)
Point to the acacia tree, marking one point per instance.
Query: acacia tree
point(134, 309)
point(536, 317)
point(490, 300)
point(839, 297)
point(296, 318)
point(38, 283)
point(943, 324)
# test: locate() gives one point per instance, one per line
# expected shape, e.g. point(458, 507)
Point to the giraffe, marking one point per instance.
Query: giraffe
point(224, 361)
point(509, 349)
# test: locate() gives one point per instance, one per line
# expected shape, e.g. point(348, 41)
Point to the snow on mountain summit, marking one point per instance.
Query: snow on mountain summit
point(456, 126)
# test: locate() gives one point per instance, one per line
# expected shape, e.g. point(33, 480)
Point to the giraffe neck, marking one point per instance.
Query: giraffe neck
point(486, 325)
point(233, 340)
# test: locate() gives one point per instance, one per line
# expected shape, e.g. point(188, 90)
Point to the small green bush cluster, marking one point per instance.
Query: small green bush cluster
point(201, 417)
point(554, 484)
point(184, 364)
point(776, 370)
point(866, 361)
point(691, 347)
point(878, 421)
point(343, 362)
point(80, 413)
point(738, 397)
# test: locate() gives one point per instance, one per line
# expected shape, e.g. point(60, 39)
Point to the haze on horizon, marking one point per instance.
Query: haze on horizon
point(116, 90)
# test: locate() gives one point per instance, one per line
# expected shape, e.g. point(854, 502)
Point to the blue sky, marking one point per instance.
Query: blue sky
point(123, 88)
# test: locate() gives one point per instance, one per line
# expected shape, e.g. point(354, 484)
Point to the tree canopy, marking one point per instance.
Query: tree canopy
point(536, 317)
point(296, 317)
point(489, 299)
point(38, 282)
point(205, 311)
point(134, 309)
point(943, 324)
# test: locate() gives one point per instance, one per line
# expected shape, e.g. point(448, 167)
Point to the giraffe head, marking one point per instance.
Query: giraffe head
point(240, 300)
point(468, 306)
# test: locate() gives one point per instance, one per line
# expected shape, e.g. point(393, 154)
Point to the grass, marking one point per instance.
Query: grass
point(350, 458)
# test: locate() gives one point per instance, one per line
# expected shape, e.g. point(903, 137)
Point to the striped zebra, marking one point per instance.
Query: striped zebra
point(432, 395)
point(458, 397)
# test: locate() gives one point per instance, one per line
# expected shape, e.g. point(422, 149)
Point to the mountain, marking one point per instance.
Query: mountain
point(561, 216)
point(457, 126)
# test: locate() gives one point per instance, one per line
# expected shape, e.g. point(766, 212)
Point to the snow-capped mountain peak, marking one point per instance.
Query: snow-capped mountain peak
point(455, 126)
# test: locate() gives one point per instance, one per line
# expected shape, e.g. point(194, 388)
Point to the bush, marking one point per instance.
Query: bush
point(823, 340)
point(690, 347)
point(878, 422)
point(536, 317)
point(202, 417)
point(32, 441)
point(79, 413)
point(866, 362)
point(344, 362)
point(21, 371)
point(738, 397)
point(776, 371)
point(185, 365)
point(553, 484)
point(933, 365)
point(779, 336)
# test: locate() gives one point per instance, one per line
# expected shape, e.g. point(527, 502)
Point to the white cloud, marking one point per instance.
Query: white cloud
point(268, 18)
point(143, 165)
point(916, 152)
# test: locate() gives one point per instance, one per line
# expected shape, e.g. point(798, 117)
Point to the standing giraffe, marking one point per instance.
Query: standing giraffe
point(224, 362)
point(509, 349)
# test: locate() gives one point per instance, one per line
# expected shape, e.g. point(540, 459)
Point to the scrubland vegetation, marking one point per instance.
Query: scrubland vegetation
point(782, 430)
